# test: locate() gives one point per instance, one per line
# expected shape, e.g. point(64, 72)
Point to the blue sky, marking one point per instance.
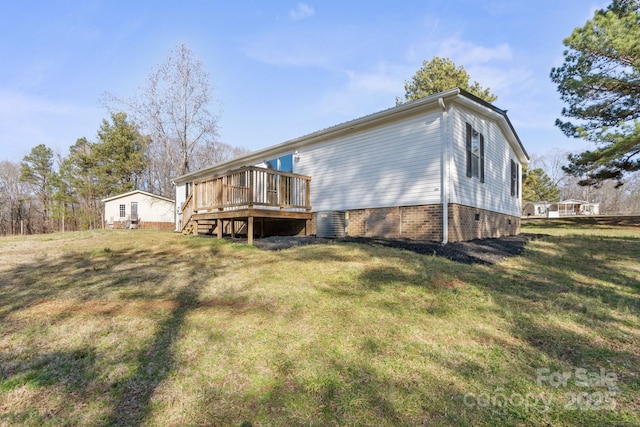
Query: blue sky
point(281, 69)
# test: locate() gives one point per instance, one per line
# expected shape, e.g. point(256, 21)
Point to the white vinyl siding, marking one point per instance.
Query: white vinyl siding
point(395, 164)
point(150, 209)
point(181, 197)
point(495, 193)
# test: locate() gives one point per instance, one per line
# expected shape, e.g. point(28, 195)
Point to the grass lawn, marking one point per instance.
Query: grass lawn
point(133, 327)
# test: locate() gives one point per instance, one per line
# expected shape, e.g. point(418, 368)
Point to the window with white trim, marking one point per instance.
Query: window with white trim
point(123, 211)
point(475, 153)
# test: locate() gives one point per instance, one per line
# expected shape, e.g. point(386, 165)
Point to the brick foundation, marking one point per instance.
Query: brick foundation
point(422, 222)
point(425, 223)
point(467, 223)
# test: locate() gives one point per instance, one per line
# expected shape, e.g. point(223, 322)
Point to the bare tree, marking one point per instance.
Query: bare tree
point(174, 109)
point(14, 199)
point(632, 188)
point(552, 163)
point(211, 153)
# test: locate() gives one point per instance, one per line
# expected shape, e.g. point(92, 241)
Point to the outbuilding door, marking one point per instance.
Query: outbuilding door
point(134, 211)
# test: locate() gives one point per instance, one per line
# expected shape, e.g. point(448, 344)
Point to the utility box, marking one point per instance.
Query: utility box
point(331, 224)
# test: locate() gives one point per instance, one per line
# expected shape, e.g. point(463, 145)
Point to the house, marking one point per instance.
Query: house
point(443, 168)
point(575, 207)
point(139, 209)
point(536, 209)
point(562, 208)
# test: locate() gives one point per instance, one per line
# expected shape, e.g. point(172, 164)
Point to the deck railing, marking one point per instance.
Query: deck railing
point(249, 188)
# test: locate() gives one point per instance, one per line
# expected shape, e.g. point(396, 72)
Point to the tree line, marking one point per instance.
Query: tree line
point(166, 130)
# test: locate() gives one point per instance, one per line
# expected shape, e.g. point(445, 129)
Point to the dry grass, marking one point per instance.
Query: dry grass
point(136, 327)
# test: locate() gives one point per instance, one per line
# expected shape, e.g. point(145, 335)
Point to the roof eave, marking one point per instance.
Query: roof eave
point(120, 196)
point(491, 110)
point(408, 108)
point(322, 135)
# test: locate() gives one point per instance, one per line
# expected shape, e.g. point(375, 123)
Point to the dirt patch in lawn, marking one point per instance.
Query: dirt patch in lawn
point(479, 251)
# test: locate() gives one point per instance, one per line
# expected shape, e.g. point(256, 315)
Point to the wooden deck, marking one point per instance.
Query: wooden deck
point(234, 201)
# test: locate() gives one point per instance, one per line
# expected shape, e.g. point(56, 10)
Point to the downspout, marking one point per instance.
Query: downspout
point(444, 180)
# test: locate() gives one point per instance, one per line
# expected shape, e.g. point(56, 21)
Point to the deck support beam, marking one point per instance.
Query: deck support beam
point(248, 217)
point(250, 230)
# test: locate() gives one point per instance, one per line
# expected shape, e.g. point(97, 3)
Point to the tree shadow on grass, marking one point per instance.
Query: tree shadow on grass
point(571, 301)
point(344, 390)
point(72, 370)
point(44, 290)
point(81, 276)
point(155, 363)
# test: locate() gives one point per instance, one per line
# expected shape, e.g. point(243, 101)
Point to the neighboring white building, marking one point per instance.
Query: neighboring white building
point(563, 208)
point(139, 209)
point(447, 168)
point(536, 209)
point(575, 207)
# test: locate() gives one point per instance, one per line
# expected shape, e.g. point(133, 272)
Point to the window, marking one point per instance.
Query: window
point(515, 173)
point(475, 153)
point(123, 211)
point(284, 163)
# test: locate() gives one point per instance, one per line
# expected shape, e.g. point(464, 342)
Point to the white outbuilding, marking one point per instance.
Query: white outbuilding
point(139, 209)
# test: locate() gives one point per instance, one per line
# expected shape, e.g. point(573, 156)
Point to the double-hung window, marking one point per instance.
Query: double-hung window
point(475, 153)
point(123, 211)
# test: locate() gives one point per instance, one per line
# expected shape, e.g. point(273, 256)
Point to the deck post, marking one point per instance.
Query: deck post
point(251, 182)
point(195, 227)
point(233, 228)
point(220, 225)
point(195, 197)
point(250, 230)
point(281, 187)
point(220, 193)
